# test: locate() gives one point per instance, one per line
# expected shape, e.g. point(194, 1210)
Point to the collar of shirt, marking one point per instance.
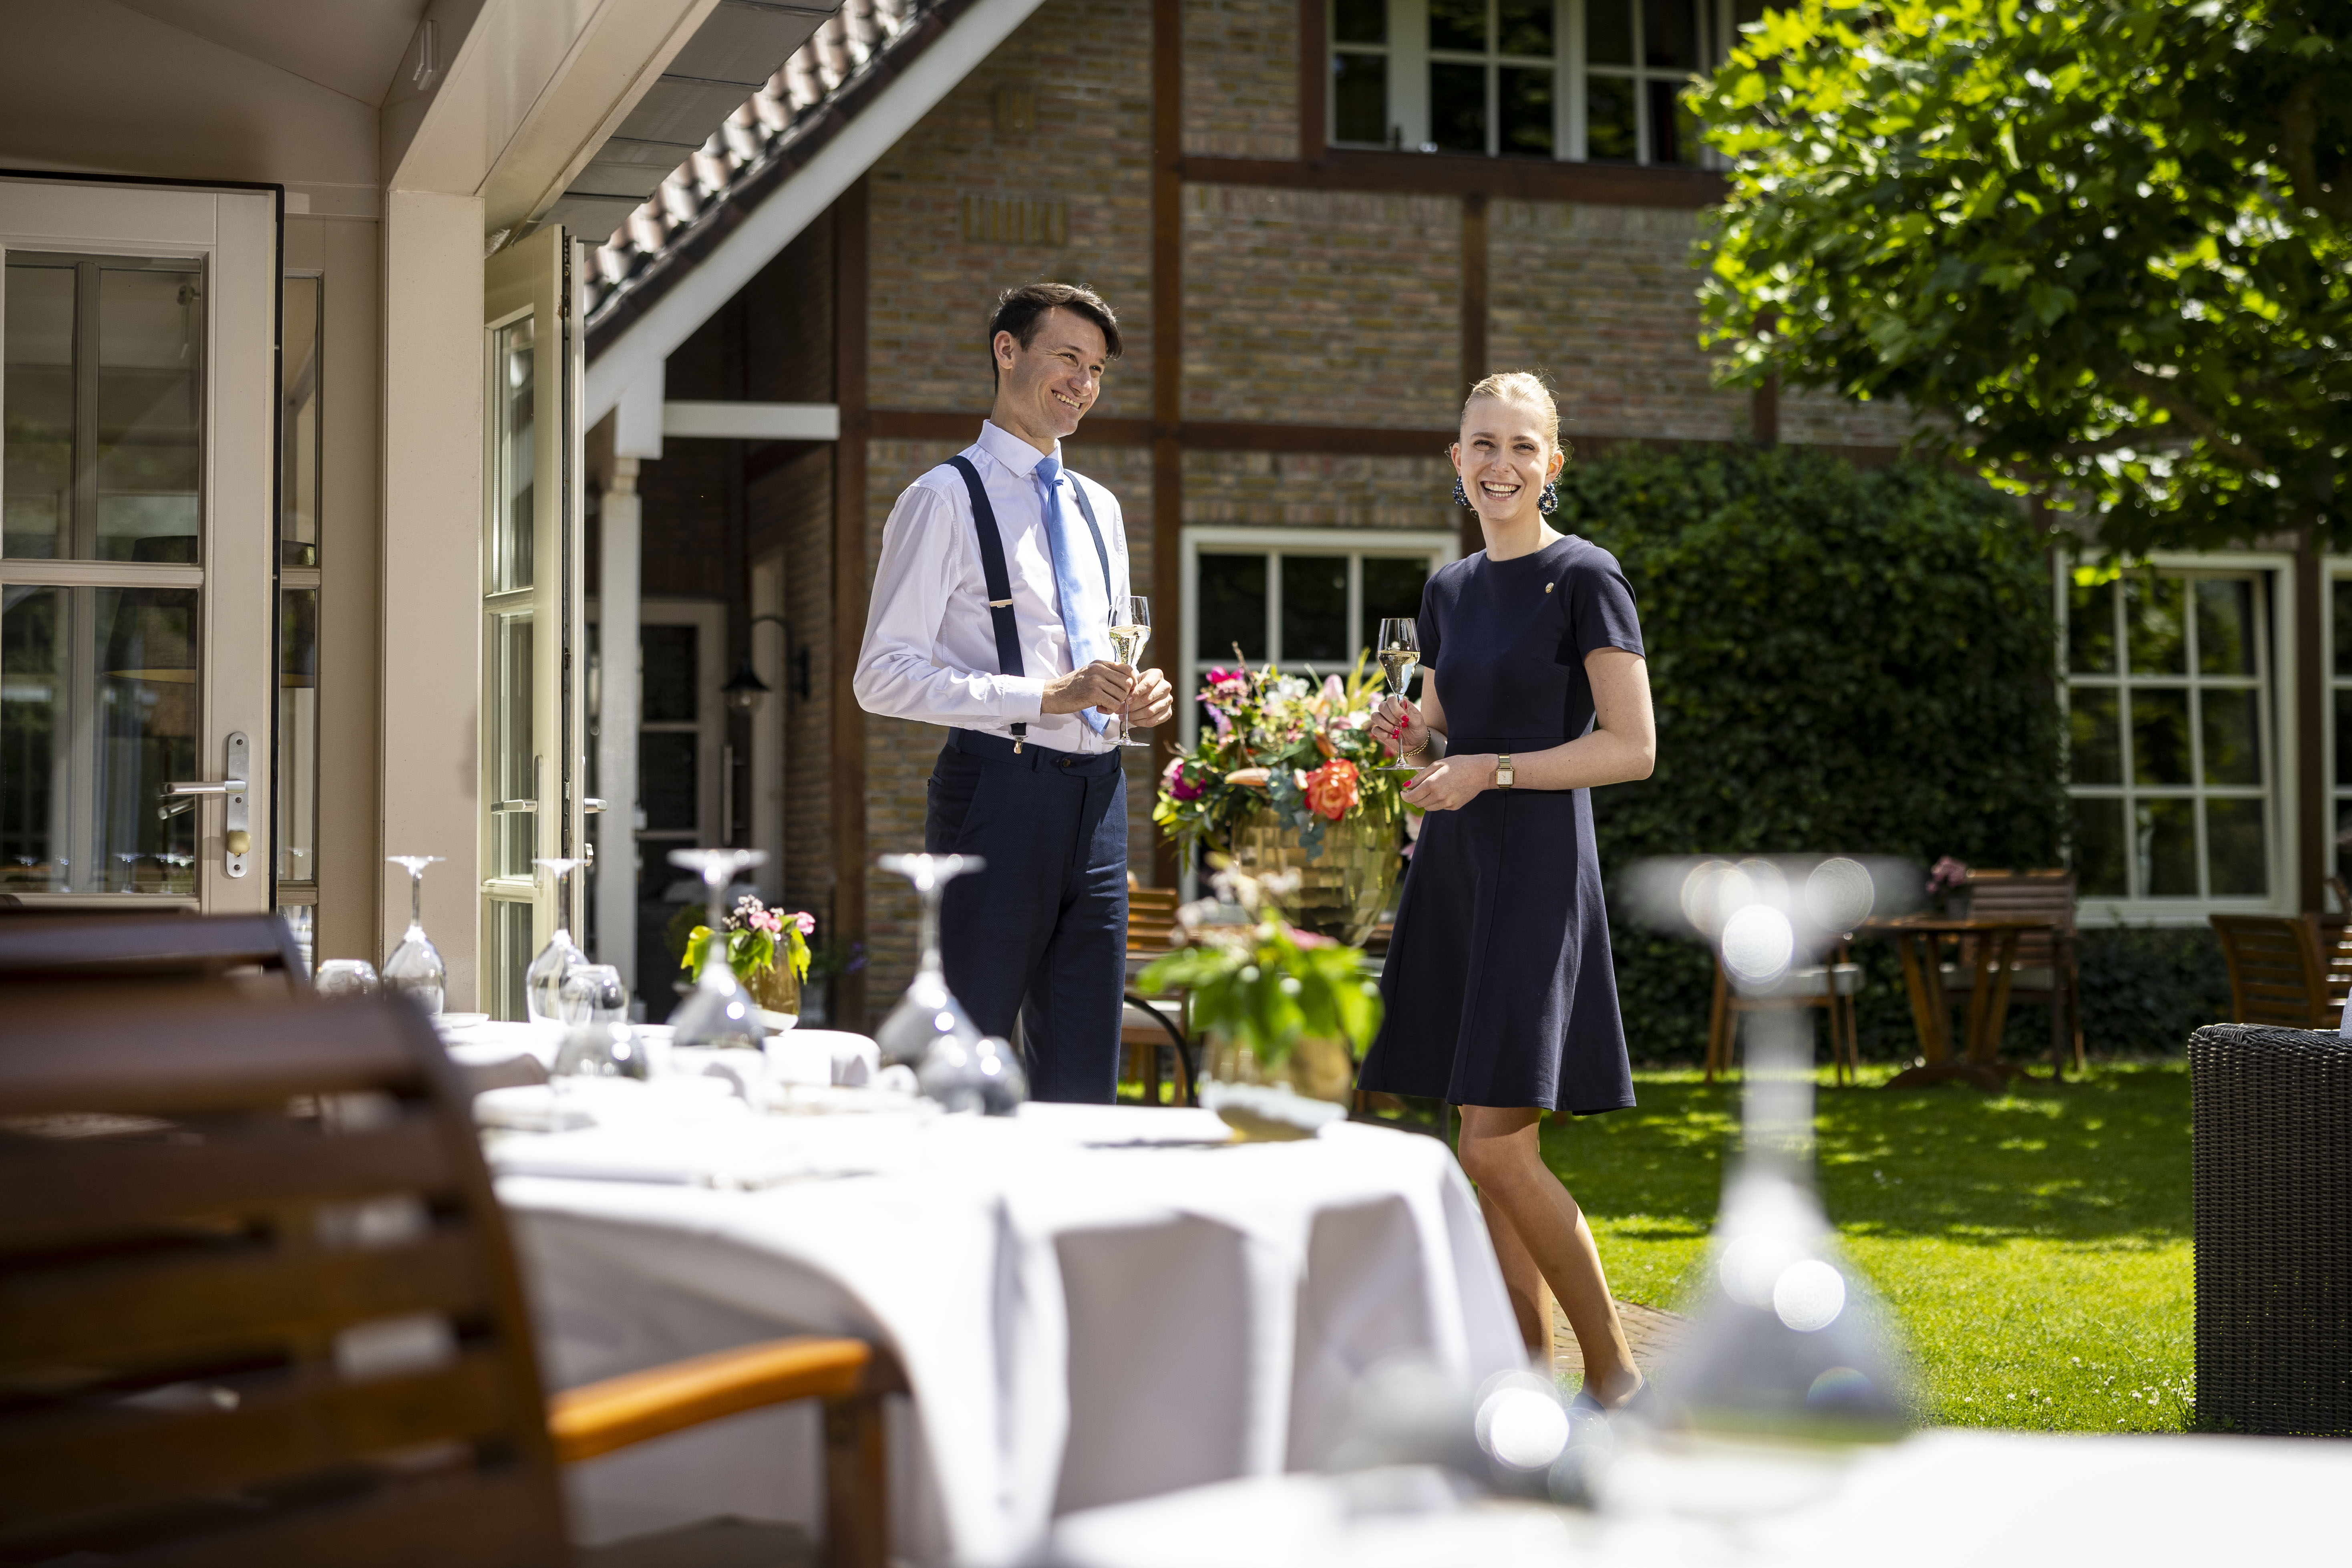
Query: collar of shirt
point(1017, 456)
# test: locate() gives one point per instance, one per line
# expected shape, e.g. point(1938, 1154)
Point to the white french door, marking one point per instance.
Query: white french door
point(533, 654)
point(138, 560)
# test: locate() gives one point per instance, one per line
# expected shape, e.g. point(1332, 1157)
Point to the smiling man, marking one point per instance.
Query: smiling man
point(992, 616)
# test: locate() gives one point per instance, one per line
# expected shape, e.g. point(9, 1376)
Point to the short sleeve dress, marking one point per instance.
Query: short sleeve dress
point(1498, 985)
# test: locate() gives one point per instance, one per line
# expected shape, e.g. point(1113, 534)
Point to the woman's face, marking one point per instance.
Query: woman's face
point(1504, 458)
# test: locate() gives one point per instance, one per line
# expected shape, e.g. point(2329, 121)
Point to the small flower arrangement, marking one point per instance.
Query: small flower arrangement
point(1949, 875)
point(1270, 738)
point(1259, 982)
point(754, 933)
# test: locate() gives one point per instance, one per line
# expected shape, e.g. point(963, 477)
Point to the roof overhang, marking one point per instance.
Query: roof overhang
point(742, 235)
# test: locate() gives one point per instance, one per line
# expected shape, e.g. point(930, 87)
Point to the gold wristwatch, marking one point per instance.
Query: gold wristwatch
point(1503, 771)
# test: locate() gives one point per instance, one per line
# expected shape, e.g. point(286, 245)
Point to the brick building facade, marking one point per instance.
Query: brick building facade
point(1300, 321)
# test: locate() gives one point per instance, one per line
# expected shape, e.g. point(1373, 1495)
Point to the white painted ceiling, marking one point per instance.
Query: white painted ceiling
point(354, 47)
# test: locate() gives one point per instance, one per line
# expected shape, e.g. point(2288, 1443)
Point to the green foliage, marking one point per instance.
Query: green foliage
point(2146, 991)
point(1267, 987)
point(2034, 1246)
point(2107, 245)
point(1840, 660)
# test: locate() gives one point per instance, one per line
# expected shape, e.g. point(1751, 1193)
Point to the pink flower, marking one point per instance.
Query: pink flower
point(1179, 786)
point(1228, 682)
point(1332, 690)
point(806, 921)
point(1224, 725)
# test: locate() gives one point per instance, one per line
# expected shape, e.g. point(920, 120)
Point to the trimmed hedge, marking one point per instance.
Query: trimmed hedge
point(1842, 661)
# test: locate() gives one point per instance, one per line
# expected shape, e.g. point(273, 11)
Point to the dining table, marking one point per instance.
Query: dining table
point(1090, 1304)
point(1989, 946)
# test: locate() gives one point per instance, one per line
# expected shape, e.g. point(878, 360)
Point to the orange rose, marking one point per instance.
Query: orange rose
point(1331, 789)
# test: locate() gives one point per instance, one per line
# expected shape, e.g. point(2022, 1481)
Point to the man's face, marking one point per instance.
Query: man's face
point(1050, 384)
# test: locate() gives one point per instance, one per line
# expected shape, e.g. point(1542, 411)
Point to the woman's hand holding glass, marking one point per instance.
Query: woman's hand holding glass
point(1398, 725)
point(1452, 781)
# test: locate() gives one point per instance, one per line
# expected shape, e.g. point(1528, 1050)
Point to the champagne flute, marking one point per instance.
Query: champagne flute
point(1399, 658)
point(1131, 628)
point(415, 970)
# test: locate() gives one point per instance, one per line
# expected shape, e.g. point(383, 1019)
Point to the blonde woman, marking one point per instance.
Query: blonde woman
point(1500, 995)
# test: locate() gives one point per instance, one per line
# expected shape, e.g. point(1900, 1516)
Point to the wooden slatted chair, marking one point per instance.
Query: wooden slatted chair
point(257, 1305)
point(2046, 972)
point(38, 949)
point(1150, 1025)
point(2278, 971)
point(1832, 987)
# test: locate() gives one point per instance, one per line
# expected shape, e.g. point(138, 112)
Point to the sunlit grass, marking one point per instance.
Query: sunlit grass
point(2034, 1246)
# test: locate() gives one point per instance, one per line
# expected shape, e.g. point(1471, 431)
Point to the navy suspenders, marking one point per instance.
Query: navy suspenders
point(1000, 582)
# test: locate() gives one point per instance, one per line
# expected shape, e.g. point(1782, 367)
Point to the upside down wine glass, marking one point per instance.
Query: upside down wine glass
point(929, 1012)
point(1399, 658)
point(543, 981)
point(415, 970)
point(720, 1012)
point(1131, 628)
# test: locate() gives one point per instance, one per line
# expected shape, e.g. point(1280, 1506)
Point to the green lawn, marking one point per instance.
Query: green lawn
point(2035, 1247)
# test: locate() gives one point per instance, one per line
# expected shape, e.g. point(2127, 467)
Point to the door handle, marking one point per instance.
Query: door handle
point(236, 826)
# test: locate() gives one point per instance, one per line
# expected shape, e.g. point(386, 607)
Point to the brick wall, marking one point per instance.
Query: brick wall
point(1834, 421)
point(1088, 64)
point(1604, 299)
point(1240, 78)
point(1320, 308)
point(1270, 489)
point(790, 509)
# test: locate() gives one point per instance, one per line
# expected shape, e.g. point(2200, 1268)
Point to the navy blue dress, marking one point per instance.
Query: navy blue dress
point(1498, 985)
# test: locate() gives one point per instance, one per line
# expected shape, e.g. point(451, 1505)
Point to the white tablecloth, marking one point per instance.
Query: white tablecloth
point(1942, 1500)
point(1080, 1326)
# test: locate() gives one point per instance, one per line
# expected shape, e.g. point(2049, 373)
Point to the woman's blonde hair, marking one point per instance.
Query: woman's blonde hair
point(1521, 386)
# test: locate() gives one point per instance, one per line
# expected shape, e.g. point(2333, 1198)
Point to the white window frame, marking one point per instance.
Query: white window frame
point(2333, 569)
point(709, 618)
point(1409, 55)
point(1355, 543)
point(2276, 675)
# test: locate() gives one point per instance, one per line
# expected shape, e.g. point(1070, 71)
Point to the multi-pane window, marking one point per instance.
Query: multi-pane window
point(1589, 79)
point(2339, 714)
point(1307, 604)
point(2168, 683)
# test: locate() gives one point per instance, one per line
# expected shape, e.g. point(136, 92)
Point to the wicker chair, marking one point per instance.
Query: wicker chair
point(257, 1305)
point(2274, 1229)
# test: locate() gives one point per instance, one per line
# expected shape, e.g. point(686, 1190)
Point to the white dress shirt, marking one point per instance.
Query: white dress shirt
point(930, 643)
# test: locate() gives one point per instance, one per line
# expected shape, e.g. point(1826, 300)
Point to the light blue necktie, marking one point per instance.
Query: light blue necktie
point(1086, 606)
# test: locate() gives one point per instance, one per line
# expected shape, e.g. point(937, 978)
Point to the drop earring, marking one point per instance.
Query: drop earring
point(1549, 503)
point(1460, 498)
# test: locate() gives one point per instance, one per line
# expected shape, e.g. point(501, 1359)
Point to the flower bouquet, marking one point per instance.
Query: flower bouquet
point(1284, 1011)
point(754, 934)
point(1285, 774)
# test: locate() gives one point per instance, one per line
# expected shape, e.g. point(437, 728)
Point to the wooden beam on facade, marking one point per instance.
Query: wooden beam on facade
point(848, 720)
point(1473, 332)
point(2314, 842)
point(1764, 413)
point(1314, 80)
point(1462, 173)
point(1167, 361)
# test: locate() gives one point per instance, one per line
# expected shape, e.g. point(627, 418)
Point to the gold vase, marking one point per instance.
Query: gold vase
point(1341, 891)
point(1234, 1084)
point(776, 988)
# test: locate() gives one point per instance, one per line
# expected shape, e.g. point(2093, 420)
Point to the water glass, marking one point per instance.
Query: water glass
point(344, 977)
point(593, 994)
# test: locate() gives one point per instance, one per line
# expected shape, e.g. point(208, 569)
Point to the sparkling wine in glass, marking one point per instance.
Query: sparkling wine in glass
point(929, 1013)
point(720, 1013)
point(1131, 628)
point(1399, 658)
point(543, 981)
point(415, 970)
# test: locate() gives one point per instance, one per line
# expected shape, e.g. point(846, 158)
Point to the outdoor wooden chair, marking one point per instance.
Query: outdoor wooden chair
point(2278, 971)
point(1831, 987)
point(2046, 972)
point(142, 946)
point(1152, 1025)
point(257, 1305)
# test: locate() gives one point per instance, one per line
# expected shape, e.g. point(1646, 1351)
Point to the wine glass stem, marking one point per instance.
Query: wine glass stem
point(416, 895)
point(929, 931)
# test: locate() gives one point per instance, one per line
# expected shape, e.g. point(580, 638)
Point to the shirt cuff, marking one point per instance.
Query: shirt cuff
point(1021, 697)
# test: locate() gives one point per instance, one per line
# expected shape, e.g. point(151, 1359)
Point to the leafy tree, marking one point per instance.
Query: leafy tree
point(2105, 246)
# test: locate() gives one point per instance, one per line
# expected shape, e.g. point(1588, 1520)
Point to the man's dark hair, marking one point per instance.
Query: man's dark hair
point(1018, 312)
